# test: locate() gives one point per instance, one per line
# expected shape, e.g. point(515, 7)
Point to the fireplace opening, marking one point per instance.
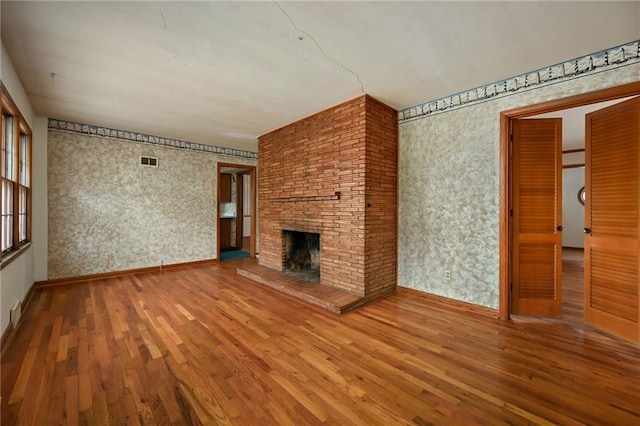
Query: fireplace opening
point(302, 254)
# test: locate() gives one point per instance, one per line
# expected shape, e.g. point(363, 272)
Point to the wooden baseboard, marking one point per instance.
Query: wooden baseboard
point(93, 277)
point(7, 335)
point(465, 306)
point(10, 331)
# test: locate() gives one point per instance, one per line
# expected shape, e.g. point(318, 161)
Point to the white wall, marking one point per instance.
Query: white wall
point(449, 188)
point(17, 277)
point(14, 86)
point(572, 210)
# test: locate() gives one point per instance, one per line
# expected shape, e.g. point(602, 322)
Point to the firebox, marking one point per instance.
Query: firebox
point(301, 254)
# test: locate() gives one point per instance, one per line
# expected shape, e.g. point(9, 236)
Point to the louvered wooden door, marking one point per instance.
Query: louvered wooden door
point(611, 232)
point(537, 212)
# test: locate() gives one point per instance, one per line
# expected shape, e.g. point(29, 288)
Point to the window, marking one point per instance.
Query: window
point(23, 187)
point(15, 173)
point(582, 195)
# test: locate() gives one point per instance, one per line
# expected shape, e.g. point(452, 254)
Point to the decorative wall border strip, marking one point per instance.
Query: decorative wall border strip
point(106, 132)
point(615, 57)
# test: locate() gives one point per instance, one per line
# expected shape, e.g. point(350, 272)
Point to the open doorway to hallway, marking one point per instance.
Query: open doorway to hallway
point(600, 282)
point(573, 205)
point(236, 200)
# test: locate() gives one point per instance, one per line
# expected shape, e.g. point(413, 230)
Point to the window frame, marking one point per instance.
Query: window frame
point(20, 181)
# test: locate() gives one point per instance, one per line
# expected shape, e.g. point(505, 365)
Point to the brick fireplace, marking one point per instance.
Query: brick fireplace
point(334, 174)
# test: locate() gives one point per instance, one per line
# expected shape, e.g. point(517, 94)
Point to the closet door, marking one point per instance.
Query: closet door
point(612, 220)
point(537, 215)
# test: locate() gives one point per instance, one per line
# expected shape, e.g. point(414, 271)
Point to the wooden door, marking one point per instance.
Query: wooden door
point(225, 188)
point(225, 234)
point(611, 222)
point(239, 208)
point(537, 215)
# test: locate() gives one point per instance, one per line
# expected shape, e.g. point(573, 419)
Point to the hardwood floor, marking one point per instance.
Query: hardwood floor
point(203, 345)
point(333, 299)
point(573, 286)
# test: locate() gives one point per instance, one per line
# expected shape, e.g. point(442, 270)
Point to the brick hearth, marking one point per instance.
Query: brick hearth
point(334, 173)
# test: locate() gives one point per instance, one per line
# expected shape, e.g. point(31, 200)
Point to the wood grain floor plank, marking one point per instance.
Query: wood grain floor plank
point(202, 345)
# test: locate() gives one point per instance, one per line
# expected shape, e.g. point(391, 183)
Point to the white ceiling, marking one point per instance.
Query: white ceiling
point(223, 73)
point(573, 122)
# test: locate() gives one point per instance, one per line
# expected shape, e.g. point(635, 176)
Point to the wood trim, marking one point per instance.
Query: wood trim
point(104, 275)
point(10, 256)
point(251, 170)
point(218, 223)
point(27, 298)
point(6, 338)
point(10, 106)
point(450, 303)
point(571, 151)
point(572, 166)
point(602, 95)
point(625, 90)
point(21, 126)
point(253, 241)
point(505, 226)
point(239, 211)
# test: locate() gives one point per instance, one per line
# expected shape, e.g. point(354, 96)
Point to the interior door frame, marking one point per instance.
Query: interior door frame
point(251, 171)
point(622, 91)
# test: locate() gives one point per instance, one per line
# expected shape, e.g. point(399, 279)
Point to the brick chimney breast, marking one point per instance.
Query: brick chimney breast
point(335, 173)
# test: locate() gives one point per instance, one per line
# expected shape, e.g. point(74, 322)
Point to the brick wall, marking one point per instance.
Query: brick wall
point(348, 149)
point(381, 187)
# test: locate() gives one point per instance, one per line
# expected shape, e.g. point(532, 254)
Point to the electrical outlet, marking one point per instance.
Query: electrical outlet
point(109, 257)
point(447, 274)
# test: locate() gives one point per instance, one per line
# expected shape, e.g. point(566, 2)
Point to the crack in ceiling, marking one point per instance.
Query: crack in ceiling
point(164, 20)
point(344, 67)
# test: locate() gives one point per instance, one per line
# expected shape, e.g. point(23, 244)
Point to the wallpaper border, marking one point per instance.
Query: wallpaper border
point(615, 57)
point(136, 137)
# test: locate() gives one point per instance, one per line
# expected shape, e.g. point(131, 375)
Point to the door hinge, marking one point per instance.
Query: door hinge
point(511, 212)
point(511, 137)
point(511, 286)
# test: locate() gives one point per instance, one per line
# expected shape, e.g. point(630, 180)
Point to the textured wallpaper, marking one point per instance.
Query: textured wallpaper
point(108, 213)
point(449, 185)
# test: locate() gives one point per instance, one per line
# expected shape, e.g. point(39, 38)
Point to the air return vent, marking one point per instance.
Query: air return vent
point(149, 161)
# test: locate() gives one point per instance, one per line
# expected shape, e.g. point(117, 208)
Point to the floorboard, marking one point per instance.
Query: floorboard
point(203, 346)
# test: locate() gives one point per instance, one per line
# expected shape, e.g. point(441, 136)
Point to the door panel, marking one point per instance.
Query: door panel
point(246, 205)
point(537, 212)
point(611, 247)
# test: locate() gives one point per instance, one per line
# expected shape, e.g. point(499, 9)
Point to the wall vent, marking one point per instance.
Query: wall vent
point(149, 161)
point(15, 313)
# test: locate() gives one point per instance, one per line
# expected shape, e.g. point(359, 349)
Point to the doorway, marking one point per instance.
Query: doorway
point(236, 211)
point(546, 249)
point(571, 214)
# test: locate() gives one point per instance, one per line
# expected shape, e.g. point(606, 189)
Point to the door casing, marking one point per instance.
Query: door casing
point(630, 89)
point(251, 171)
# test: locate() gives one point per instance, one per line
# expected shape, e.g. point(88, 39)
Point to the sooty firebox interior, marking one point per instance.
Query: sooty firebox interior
point(302, 254)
